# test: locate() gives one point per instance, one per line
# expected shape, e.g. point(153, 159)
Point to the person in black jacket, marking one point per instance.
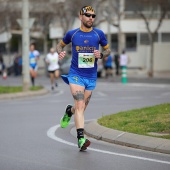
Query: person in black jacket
point(2, 65)
point(117, 60)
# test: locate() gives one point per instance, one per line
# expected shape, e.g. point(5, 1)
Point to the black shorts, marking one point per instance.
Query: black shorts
point(108, 67)
point(52, 71)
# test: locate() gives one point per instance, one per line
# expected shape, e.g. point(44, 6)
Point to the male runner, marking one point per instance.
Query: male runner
point(53, 66)
point(83, 71)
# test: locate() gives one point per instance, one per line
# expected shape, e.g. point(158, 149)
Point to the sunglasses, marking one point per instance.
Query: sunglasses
point(89, 15)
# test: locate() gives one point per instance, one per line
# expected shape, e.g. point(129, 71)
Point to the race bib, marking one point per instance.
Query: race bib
point(32, 61)
point(86, 60)
point(53, 61)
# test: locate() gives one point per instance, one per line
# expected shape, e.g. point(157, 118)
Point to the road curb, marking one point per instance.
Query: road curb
point(93, 129)
point(23, 94)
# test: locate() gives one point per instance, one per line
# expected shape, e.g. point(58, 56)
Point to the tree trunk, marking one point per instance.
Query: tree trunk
point(119, 37)
point(151, 71)
point(45, 44)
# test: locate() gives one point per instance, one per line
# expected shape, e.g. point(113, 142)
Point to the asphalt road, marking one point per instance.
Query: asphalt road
point(31, 139)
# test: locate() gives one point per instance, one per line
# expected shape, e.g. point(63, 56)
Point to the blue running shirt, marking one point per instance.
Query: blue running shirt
point(109, 61)
point(83, 45)
point(33, 58)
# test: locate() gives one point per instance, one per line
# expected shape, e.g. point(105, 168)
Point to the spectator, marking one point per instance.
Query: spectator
point(16, 65)
point(109, 66)
point(2, 65)
point(20, 65)
point(117, 60)
point(123, 59)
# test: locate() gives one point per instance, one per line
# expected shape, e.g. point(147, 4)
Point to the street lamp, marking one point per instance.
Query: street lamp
point(25, 44)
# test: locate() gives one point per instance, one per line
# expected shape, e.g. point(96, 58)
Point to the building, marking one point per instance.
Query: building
point(119, 19)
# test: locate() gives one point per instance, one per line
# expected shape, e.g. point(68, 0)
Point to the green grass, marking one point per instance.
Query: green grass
point(34, 88)
point(16, 89)
point(141, 121)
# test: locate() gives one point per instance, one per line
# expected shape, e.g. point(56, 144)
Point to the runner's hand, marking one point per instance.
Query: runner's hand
point(62, 55)
point(97, 54)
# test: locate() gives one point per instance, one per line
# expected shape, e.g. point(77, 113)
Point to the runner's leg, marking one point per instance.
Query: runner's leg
point(56, 73)
point(79, 104)
point(51, 78)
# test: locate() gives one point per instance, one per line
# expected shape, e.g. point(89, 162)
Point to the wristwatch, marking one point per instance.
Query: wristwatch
point(101, 55)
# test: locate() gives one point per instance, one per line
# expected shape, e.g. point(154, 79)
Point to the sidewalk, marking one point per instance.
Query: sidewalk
point(17, 81)
point(93, 129)
point(23, 94)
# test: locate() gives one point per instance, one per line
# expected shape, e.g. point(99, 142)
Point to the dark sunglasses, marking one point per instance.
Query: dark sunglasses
point(89, 15)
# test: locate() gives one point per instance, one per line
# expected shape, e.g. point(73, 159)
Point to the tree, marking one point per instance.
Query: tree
point(156, 9)
point(8, 21)
point(113, 12)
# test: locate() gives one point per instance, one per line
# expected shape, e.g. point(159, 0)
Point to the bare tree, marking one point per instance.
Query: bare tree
point(71, 11)
point(112, 11)
point(8, 15)
point(8, 22)
point(43, 16)
point(55, 11)
point(148, 10)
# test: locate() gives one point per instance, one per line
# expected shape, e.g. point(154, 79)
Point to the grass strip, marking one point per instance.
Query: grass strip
point(16, 89)
point(141, 121)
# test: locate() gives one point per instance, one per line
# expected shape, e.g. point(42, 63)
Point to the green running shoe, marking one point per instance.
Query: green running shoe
point(83, 143)
point(65, 120)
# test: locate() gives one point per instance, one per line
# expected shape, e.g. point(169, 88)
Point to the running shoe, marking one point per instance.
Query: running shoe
point(83, 143)
point(65, 120)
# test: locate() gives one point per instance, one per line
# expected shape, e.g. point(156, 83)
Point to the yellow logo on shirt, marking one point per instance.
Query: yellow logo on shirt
point(85, 48)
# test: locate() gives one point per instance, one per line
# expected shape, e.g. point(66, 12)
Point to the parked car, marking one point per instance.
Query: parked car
point(65, 67)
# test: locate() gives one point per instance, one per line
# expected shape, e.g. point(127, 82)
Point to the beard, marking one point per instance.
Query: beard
point(88, 24)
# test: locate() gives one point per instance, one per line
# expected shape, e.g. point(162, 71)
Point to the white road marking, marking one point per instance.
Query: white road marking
point(148, 85)
point(120, 85)
point(58, 93)
point(130, 98)
point(51, 134)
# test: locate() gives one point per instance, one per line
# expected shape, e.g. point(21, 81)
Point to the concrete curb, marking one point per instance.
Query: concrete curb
point(99, 132)
point(23, 94)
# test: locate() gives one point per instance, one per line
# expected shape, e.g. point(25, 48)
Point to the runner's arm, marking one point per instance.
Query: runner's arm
point(60, 47)
point(60, 51)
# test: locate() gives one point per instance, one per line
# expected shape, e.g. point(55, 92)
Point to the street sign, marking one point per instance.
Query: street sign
point(31, 21)
point(56, 32)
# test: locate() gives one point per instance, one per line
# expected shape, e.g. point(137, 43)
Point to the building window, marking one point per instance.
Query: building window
point(131, 41)
point(165, 37)
point(114, 45)
point(2, 47)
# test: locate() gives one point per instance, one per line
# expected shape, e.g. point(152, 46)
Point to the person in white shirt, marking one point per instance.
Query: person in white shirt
point(53, 66)
point(123, 59)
